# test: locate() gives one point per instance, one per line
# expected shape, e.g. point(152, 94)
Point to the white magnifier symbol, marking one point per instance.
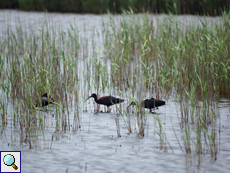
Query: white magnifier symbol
point(9, 160)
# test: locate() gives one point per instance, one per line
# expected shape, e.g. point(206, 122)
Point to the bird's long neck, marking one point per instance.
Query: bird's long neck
point(95, 99)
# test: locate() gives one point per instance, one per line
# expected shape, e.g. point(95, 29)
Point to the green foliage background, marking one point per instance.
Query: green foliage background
point(208, 7)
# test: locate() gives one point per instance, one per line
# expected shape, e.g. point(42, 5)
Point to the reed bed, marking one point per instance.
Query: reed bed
point(138, 58)
point(190, 62)
point(210, 7)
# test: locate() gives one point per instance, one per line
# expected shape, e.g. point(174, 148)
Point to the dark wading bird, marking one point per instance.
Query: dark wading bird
point(44, 100)
point(150, 103)
point(106, 100)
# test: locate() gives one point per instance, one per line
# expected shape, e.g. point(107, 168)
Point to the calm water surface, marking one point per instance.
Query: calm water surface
point(96, 147)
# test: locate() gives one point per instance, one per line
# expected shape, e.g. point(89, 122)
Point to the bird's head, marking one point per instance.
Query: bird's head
point(132, 103)
point(92, 95)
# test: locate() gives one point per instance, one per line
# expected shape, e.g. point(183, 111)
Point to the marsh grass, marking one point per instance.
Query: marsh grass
point(190, 61)
point(139, 58)
point(34, 63)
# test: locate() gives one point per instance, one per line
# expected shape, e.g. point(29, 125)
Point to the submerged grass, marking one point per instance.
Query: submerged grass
point(138, 58)
point(191, 61)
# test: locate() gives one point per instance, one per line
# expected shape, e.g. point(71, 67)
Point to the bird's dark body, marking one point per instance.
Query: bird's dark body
point(44, 100)
point(106, 100)
point(150, 103)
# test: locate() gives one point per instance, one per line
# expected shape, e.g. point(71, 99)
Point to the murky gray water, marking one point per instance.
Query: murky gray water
point(96, 147)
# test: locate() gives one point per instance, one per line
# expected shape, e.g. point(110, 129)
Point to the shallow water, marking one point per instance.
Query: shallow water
point(95, 146)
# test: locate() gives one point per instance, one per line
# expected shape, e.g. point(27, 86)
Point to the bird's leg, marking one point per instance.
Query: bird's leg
point(108, 109)
point(156, 108)
point(150, 111)
point(98, 107)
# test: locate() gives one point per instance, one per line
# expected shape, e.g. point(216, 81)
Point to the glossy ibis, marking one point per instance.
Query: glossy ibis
point(150, 103)
point(44, 100)
point(106, 100)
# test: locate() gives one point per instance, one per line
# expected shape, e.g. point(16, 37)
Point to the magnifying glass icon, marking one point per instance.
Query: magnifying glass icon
point(9, 160)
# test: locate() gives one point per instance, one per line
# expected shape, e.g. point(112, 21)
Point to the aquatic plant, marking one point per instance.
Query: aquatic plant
point(137, 58)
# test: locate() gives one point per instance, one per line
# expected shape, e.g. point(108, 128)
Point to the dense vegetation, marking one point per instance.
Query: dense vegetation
point(209, 7)
point(138, 58)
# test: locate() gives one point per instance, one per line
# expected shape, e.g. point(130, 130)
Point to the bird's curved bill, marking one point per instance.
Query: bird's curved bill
point(129, 106)
point(87, 98)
